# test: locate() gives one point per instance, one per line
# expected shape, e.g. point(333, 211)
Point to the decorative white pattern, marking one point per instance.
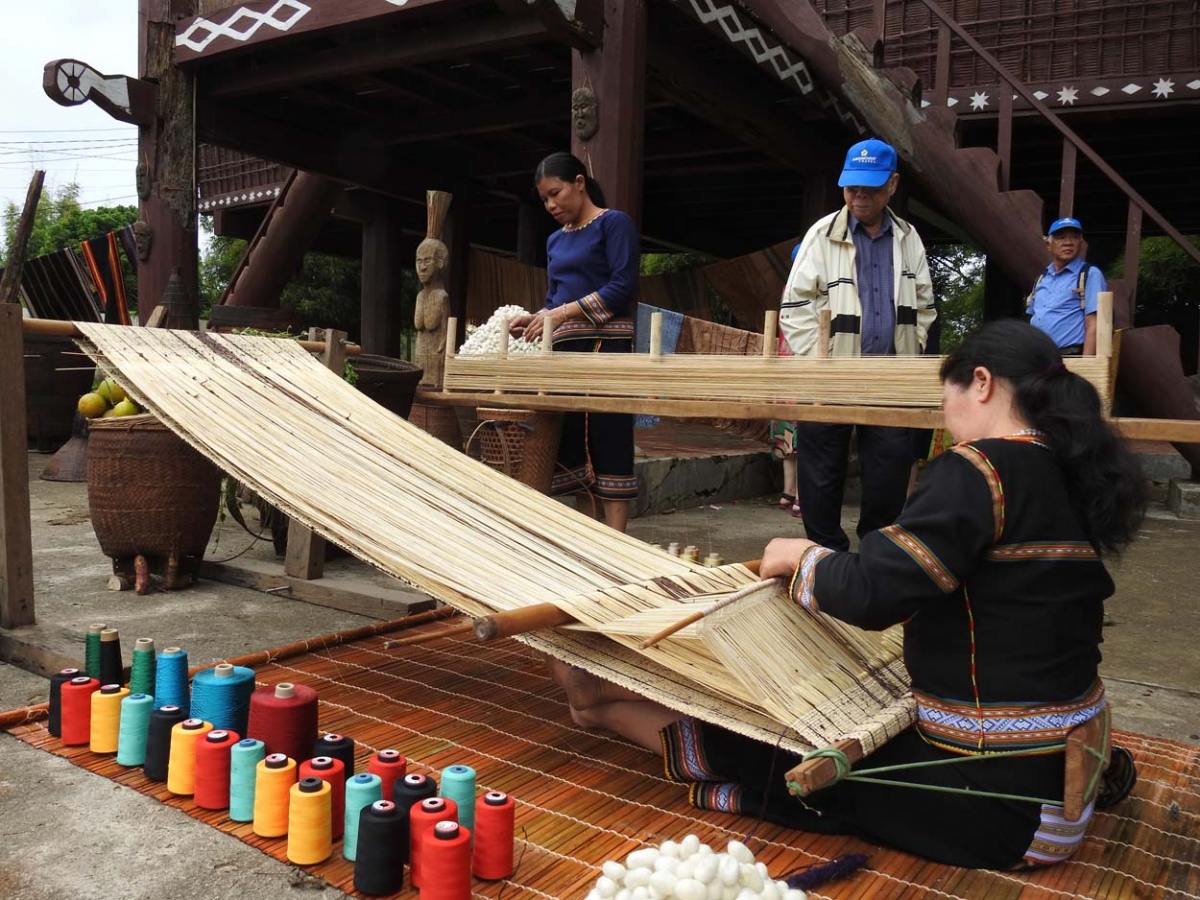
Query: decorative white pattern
point(1194, 85)
point(1068, 95)
point(1041, 95)
point(952, 101)
point(979, 100)
point(1131, 89)
point(203, 31)
point(1099, 91)
point(1163, 88)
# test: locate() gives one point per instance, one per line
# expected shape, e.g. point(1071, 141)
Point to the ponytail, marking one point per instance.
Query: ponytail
point(1103, 479)
point(567, 167)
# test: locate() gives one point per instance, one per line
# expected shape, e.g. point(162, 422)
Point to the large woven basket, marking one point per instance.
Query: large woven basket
point(149, 492)
point(521, 443)
point(392, 383)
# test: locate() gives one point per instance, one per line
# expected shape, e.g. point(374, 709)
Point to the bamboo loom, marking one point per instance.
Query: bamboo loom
point(267, 413)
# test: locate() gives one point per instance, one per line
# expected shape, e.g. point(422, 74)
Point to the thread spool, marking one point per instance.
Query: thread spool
point(91, 651)
point(408, 792)
point(221, 695)
point(361, 791)
point(111, 671)
point(171, 679)
point(458, 784)
point(105, 726)
point(332, 771)
point(57, 680)
point(284, 718)
point(244, 758)
point(158, 741)
point(378, 868)
point(713, 559)
point(446, 863)
point(77, 710)
point(339, 746)
point(389, 765)
point(495, 825)
point(141, 670)
point(181, 764)
point(274, 777)
point(309, 840)
point(691, 553)
point(134, 729)
point(213, 768)
point(421, 819)
point(673, 548)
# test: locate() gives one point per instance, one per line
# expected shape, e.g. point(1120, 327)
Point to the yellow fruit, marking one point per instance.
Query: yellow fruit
point(109, 413)
point(92, 405)
point(116, 393)
point(105, 391)
point(126, 408)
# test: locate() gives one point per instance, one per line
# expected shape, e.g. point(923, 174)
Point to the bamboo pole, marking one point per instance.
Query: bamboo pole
point(656, 325)
point(708, 610)
point(770, 327)
point(1104, 324)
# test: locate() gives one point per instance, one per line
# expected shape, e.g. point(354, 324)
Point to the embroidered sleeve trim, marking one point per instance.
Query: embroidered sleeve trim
point(595, 308)
point(801, 588)
point(922, 556)
point(979, 460)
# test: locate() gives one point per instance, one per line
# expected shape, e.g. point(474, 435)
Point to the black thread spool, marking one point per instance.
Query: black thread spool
point(339, 746)
point(158, 741)
point(407, 793)
point(378, 868)
point(111, 671)
point(54, 726)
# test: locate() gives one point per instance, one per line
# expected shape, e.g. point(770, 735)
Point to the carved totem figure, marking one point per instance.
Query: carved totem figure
point(585, 113)
point(433, 303)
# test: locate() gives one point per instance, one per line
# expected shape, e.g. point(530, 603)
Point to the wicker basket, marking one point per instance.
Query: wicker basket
point(521, 443)
point(392, 383)
point(149, 492)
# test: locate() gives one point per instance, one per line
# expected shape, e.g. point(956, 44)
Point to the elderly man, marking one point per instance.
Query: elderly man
point(867, 266)
point(1063, 300)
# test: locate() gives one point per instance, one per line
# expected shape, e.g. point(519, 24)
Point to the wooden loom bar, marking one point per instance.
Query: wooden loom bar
point(16, 535)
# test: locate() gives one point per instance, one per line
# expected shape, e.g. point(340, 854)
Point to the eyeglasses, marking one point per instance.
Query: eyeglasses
point(860, 191)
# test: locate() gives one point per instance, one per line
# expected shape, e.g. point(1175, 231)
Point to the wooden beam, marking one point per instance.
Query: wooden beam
point(35, 652)
point(485, 119)
point(414, 47)
point(10, 283)
point(383, 265)
point(1066, 188)
point(1133, 254)
point(579, 24)
point(16, 535)
point(70, 82)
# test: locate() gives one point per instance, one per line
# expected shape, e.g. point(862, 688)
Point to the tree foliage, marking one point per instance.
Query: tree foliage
point(956, 271)
point(61, 222)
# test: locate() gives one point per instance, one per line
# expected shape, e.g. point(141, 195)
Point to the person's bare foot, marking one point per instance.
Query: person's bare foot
point(584, 689)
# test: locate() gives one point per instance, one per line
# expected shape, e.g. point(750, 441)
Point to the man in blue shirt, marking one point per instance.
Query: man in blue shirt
point(1063, 300)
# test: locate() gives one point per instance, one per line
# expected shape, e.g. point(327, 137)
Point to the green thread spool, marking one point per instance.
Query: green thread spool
point(141, 673)
point(135, 728)
point(91, 653)
point(244, 758)
point(362, 790)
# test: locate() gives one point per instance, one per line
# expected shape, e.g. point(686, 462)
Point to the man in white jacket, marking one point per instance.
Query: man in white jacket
point(867, 266)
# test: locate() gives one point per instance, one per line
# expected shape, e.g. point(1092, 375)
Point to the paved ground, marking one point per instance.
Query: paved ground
point(67, 833)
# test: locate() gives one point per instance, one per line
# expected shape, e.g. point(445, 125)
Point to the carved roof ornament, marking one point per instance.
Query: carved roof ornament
point(69, 82)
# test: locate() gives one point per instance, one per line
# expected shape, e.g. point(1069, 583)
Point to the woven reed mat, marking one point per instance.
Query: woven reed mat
point(583, 798)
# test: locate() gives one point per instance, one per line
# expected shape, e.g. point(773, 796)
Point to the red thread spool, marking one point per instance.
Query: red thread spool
point(212, 769)
point(446, 863)
point(388, 765)
point(284, 718)
point(421, 819)
point(495, 823)
point(332, 771)
point(76, 696)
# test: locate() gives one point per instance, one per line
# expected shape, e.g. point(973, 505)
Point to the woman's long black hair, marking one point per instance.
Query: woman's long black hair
point(567, 167)
point(1103, 479)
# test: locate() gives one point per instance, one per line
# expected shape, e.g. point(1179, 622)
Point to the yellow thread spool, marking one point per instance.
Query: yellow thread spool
point(310, 821)
point(181, 764)
point(106, 718)
point(273, 780)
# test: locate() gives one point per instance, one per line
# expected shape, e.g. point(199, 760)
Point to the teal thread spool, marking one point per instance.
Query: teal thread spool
point(171, 680)
point(141, 673)
point(135, 727)
point(91, 652)
point(458, 784)
point(361, 790)
point(244, 758)
point(221, 695)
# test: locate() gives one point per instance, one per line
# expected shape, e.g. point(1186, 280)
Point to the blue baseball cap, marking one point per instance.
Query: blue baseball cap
point(795, 252)
point(868, 164)
point(1067, 222)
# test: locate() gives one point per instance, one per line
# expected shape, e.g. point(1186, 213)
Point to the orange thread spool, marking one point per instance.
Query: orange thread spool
point(389, 765)
point(181, 764)
point(212, 768)
point(76, 696)
point(105, 725)
point(495, 823)
point(421, 819)
point(332, 771)
point(273, 780)
point(446, 863)
point(309, 811)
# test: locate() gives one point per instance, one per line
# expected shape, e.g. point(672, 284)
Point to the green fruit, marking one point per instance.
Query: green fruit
point(92, 405)
point(105, 390)
point(126, 408)
point(116, 393)
point(109, 413)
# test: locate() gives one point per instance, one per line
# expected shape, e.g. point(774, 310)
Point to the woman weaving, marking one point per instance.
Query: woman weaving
point(591, 273)
point(994, 568)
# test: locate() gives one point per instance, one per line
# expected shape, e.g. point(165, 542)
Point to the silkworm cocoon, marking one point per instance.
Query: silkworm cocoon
point(689, 847)
point(690, 889)
point(748, 877)
point(740, 852)
point(795, 894)
point(663, 882)
point(606, 887)
point(670, 848)
point(640, 893)
point(666, 864)
point(728, 870)
point(636, 878)
point(614, 870)
point(705, 869)
point(641, 859)
point(685, 869)
point(623, 894)
point(769, 891)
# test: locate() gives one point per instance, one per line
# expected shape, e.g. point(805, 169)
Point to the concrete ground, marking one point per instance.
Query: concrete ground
point(65, 832)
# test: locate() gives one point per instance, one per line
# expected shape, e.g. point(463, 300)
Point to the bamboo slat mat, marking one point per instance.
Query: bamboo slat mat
point(583, 798)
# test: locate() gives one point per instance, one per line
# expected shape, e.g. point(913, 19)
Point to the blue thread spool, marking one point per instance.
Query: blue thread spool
point(244, 758)
point(221, 695)
point(135, 729)
point(171, 680)
point(458, 784)
point(361, 790)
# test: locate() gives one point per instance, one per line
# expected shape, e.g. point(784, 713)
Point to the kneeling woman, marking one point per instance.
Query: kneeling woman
point(994, 567)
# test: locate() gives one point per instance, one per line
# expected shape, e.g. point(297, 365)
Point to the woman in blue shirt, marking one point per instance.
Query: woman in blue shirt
point(592, 271)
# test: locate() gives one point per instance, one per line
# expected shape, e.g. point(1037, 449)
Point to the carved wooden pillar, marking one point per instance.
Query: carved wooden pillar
point(384, 255)
point(166, 228)
point(458, 240)
point(615, 73)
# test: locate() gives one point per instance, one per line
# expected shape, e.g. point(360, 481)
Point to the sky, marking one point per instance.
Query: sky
point(72, 143)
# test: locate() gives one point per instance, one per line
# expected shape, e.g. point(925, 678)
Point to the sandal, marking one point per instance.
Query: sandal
point(787, 501)
point(796, 510)
point(1118, 780)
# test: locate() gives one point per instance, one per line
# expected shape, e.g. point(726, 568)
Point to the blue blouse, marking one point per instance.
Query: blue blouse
point(598, 266)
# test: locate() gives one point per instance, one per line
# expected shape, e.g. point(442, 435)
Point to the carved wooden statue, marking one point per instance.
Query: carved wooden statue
point(433, 303)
